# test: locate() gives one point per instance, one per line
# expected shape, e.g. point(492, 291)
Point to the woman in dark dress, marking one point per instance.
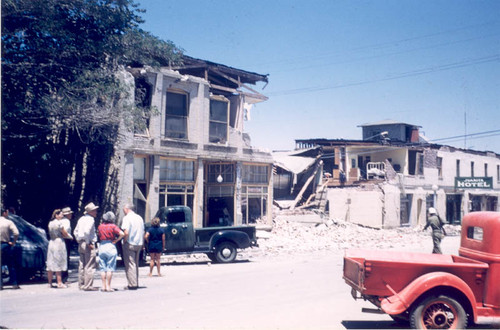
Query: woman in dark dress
point(155, 240)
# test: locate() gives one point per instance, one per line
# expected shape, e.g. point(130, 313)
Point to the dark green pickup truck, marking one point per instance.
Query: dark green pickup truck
point(220, 244)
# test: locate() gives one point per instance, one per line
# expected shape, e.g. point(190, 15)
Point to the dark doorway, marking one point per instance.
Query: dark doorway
point(453, 208)
point(405, 209)
point(220, 211)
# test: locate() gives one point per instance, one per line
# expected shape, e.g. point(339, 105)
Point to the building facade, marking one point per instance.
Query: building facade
point(394, 175)
point(192, 150)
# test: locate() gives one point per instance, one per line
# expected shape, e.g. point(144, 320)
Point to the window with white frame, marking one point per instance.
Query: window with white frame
point(253, 203)
point(255, 174)
point(219, 116)
point(176, 115)
point(176, 170)
point(140, 184)
point(176, 182)
point(254, 192)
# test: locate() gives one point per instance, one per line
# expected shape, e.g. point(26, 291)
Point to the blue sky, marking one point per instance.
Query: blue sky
point(334, 65)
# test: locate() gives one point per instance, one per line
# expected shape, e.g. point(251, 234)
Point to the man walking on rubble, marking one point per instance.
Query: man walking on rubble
point(436, 223)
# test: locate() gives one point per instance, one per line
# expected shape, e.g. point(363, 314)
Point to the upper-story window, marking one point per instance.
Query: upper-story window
point(219, 115)
point(458, 168)
point(176, 115)
point(485, 169)
point(472, 169)
point(420, 162)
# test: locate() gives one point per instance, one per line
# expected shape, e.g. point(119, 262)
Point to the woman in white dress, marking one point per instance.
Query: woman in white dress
point(56, 254)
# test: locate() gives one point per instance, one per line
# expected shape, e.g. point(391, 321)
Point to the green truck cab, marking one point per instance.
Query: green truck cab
point(220, 244)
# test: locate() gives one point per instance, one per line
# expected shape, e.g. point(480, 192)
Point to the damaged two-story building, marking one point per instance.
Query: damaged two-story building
point(394, 174)
point(193, 150)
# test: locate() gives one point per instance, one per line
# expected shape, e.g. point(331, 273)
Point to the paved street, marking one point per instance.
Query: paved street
point(279, 293)
point(287, 292)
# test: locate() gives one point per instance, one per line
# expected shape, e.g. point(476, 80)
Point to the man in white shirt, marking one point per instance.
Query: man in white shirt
point(86, 237)
point(133, 227)
point(8, 236)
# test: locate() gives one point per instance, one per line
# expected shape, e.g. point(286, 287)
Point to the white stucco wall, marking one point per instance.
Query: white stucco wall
point(357, 206)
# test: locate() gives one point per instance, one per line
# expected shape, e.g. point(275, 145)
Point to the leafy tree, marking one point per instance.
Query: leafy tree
point(63, 97)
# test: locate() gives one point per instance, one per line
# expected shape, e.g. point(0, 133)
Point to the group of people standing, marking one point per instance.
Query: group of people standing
point(108, 234)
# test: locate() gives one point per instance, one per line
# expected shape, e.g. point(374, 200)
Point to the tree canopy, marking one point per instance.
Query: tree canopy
point(62, 95)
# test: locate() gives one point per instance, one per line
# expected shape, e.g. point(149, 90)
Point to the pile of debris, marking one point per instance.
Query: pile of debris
point(305, 232)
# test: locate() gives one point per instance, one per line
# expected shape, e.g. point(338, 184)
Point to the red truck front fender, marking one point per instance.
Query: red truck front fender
point(401, 301)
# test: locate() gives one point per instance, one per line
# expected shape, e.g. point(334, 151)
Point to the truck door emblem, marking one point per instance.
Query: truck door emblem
point(174, 231)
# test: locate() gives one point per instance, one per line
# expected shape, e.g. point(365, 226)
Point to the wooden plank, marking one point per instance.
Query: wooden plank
point(308, 182)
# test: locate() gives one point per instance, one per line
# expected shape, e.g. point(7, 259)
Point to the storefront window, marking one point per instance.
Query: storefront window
point(171, 195)
point(220, 173)
point(140, 184)
point(255, 174)
point(176, 170)
point(176, 182)
point(253, 203)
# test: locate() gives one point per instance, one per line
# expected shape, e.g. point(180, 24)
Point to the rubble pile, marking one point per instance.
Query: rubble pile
point(290, 235)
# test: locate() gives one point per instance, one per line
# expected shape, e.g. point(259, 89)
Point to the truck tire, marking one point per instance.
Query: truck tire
point(212, 257)
point(438, 312)
point(402, 319)
point(225, 252)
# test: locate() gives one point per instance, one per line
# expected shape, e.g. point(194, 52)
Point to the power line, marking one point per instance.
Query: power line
point(350, 60)
point(470, 135)
point(387, 44)
point(364, 150)
point(428, 70)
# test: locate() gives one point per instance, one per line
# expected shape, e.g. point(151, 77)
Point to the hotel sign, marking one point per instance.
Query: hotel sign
point(474, 183)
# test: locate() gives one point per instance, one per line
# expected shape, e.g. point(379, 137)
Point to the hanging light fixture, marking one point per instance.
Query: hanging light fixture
point(220, 179)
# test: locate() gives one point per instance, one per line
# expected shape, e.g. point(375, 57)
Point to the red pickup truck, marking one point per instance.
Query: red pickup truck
point(434, 291)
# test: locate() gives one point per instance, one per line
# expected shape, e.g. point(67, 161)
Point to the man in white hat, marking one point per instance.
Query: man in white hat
point(86, 237)
point(66, 222)
point(436, 223)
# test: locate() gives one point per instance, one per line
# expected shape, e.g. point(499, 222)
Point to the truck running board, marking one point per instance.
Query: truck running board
point(372, 310)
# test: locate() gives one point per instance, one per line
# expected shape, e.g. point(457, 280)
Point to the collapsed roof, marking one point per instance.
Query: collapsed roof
point(222, 77)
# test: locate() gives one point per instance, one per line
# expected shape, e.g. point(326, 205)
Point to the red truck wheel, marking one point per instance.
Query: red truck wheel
point(441, 312)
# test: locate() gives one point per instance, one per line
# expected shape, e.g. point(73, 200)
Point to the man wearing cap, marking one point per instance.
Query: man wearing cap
point(86, 237)
point(133, 227)
point(8, 235)
point(436, 223)
point(66, 222)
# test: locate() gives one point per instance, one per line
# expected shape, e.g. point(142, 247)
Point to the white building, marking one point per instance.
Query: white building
point(394, 176)
point(192, 149)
